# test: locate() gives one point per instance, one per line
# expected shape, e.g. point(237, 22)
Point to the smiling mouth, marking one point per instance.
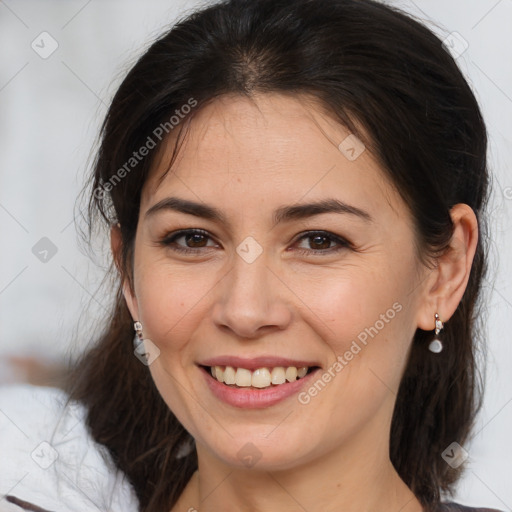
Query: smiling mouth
point(260, 378)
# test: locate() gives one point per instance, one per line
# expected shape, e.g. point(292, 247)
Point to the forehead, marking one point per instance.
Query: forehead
point(270, 148)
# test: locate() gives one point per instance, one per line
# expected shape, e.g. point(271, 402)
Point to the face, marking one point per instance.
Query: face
point(250, 277)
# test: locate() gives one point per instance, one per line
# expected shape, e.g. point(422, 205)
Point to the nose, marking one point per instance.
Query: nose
point(251, 300)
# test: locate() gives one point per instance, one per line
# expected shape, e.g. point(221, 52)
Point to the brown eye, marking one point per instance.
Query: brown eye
point(195, 239)
point(320, 242)
point(188, 240)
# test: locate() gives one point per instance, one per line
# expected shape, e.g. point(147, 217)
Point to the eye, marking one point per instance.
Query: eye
point(320, 243)
point(195, 240)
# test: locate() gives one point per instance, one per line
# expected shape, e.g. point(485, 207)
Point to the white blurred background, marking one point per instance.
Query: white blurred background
point(50, 112)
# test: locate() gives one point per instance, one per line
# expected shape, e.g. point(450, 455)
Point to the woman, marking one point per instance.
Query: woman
point(295, 191)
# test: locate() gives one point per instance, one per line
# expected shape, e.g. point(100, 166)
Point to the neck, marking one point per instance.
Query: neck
point(352, 478)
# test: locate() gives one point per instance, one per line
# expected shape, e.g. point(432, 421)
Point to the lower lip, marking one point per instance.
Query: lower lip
point(253, 398)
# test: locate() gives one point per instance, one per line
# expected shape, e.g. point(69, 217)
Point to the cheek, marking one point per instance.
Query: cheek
point(366, 317)
point(171, 306)
point(164, 298)
point(351, 300)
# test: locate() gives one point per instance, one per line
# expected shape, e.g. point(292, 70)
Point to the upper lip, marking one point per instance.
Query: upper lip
point(254, 363)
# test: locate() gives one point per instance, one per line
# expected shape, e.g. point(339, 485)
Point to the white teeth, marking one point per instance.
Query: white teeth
point(278, 375)
point(229, 375)
point(291, 373)
point(260, 378)
point(243, 377)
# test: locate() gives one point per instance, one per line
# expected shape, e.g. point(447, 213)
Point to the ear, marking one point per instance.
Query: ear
point(447, 283)
point(116, 244)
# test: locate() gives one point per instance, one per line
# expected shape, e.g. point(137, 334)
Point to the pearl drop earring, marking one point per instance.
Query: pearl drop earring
point(435, 345)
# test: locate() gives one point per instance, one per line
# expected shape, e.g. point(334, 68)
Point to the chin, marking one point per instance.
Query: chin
point(262, 454)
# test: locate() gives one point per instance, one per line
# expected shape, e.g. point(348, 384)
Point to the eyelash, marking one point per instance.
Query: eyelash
point(171, 239)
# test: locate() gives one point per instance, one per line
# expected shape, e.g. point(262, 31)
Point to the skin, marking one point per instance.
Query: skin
point(248, 158)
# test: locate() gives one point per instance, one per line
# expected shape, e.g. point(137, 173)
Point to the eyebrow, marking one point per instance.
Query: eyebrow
point(281, 215)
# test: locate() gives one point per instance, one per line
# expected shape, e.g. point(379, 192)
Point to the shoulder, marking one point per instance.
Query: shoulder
point(451, 506)
point(50, 460)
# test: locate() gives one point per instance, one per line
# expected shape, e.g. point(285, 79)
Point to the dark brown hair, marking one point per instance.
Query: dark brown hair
point(370, 66)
